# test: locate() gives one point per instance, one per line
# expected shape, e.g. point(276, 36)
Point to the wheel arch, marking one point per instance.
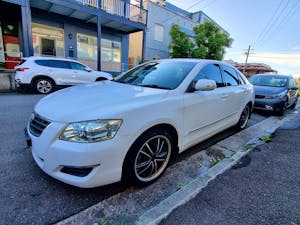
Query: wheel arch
point(36, 77)
point(164, 126)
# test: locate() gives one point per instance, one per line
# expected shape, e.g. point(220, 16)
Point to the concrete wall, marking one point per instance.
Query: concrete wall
point(7, 83)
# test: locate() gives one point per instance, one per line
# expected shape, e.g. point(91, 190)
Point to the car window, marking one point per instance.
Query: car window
point(268, 80)
point(59, 64)
point(211, 72)
point(41, 62)
point(158, 74)
point(77, 66)
point(231, 77)
point(292, 83)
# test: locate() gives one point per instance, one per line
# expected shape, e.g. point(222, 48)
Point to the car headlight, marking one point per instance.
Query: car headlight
point(91, 131)
point(280, 95)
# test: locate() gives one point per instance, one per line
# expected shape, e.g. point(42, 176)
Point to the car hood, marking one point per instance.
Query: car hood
point(265, 90)
point(101, 100)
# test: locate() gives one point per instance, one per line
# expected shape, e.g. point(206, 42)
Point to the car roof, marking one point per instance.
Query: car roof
point(203, 61)
point(48, 58)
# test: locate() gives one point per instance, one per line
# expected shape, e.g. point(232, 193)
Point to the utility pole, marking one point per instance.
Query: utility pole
point(247, 53)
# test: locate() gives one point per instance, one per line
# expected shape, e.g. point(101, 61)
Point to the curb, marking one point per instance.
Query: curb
point(156, 214)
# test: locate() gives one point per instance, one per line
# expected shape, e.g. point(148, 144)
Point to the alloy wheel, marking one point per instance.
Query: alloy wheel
point(244, 117)
point(44, 86)
point(152, 158)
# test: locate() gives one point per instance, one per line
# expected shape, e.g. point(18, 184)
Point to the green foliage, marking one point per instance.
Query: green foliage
point(211, 41)
point(267, 138)
point(181, 46)
point(180, 186)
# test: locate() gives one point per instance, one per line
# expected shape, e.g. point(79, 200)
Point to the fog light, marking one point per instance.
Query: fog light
point(268, 107)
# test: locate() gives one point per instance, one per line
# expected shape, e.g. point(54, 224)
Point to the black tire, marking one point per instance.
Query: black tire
point(294, 104)
point(282, 110)
point(148, 158)
point(44, 85)
point(244, 118)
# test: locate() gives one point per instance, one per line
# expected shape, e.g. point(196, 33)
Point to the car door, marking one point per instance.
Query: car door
point(236, 89)
point(60, 71)
point(206, 112)
point(80, 74)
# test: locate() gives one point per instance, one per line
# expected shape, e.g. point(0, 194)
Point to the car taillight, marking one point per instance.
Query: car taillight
point(22, 69)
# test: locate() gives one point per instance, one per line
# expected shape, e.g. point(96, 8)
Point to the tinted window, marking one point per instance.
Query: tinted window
point(59, 64)
point(211, 72)
point(231, 77)
point(42, 62)
point(165, 74)
point(77, 66)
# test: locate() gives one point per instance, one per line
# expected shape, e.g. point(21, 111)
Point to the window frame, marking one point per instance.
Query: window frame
point(238, 76)
point(158, 36)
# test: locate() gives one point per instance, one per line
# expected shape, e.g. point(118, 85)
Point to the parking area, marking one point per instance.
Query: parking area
point(27, 195)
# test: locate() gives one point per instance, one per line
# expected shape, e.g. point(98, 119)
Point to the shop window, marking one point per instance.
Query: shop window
point(48, 46)
point(87, 50)
point(48, 40)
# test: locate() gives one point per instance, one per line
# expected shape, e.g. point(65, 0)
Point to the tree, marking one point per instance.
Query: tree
point(181, 46)
point(210, 41)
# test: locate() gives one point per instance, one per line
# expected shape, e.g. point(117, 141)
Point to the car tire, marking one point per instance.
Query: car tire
point(44, 85)
point(294, 104)
point(282, 110)
point(244, 118)
point(148, 158)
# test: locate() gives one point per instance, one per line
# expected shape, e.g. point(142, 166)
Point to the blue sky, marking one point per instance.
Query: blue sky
point(271, 27)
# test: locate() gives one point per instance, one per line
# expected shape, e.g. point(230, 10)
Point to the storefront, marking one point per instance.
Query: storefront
point(10, 35)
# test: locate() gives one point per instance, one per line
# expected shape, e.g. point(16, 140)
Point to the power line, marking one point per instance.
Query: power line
point(273, 24)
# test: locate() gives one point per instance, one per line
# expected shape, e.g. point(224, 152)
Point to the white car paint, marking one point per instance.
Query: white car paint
point(61, 76)
point(195, 116)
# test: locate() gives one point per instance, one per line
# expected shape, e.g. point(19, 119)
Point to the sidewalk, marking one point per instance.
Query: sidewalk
point(263, 188)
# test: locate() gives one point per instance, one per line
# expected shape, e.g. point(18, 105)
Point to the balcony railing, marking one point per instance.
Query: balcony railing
point(117, 7)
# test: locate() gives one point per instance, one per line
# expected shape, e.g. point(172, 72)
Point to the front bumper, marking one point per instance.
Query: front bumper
point(274, 105)
point(100, 163)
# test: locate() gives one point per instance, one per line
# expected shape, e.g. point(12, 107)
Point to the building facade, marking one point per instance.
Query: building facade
point(161, 16)
point(95, 32)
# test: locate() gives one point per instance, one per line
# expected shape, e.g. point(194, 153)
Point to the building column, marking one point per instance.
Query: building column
point(99, 42)
point(26, 27)
point(124, 52)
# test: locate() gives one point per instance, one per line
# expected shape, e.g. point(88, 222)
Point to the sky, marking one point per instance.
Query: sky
point(271, 27)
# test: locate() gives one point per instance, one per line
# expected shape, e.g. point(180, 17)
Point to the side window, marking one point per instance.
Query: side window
point(211, 72)
point(231, 77)
point(77, 66)
point(41, 62)
point(292, 83)
point(59, 64)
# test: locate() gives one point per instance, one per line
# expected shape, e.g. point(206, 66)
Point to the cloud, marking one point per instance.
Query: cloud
point(290, 59)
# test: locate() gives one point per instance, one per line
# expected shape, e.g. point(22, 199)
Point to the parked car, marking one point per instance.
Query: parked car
point(131, 127)
point(274, 92)
point(44, 74)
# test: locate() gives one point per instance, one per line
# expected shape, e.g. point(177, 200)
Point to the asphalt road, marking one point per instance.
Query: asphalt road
point(27, 195)
point(263, 188)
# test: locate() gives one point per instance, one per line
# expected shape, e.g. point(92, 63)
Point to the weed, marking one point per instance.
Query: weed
point(180, 186)
point(266, 138)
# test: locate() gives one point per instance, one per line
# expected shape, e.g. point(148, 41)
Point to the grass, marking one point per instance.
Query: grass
point(267, 138)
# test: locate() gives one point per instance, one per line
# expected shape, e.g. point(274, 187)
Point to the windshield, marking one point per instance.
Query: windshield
point(270, 81)
point(163, 75)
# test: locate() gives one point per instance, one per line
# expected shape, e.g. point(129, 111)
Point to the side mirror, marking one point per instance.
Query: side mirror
point(205, 85)
point(88, 69)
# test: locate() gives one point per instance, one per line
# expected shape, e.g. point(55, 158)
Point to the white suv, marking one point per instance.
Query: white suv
point(44, 74)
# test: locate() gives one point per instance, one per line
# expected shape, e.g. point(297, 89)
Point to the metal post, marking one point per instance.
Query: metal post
point(26, 27)
point(99, 42)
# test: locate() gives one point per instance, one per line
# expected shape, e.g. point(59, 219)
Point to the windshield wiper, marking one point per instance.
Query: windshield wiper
point(154, 86)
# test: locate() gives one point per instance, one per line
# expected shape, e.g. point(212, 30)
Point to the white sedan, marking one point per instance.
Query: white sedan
point(130, 128)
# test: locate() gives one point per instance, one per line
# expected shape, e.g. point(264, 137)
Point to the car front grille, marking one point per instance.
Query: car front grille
point(37, 125)
point(260, 96)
